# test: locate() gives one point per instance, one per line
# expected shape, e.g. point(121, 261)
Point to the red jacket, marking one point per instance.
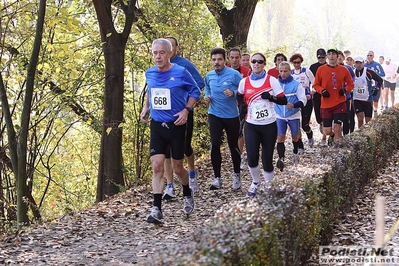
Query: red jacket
point(244, 71)
point(332, 79)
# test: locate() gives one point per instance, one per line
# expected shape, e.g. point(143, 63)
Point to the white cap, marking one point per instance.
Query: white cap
point(358, 59)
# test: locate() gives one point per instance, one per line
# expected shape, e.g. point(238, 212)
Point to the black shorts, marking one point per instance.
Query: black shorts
point(336, 114)
point(188, 151)
point(389, 85)
point(164, 135)
point(365, 107)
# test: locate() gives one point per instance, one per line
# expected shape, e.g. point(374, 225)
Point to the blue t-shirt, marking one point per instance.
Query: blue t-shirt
point(376, 67)
point(181, 61)
point(215, 83)
point(168, 92)
point(350, 69)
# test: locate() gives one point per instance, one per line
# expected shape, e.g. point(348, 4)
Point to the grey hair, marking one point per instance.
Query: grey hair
point(284, 63)
point(164, 42)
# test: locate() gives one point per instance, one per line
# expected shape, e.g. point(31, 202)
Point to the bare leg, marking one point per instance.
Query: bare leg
point(384, 98)
point(157, 177)
point(180, 171)
point(327, 131)
point(375, 104)
point(392, 98)
point(337, 131)
point(360, 119)
point(168, 170)
point(190, 162)
point(241, 143)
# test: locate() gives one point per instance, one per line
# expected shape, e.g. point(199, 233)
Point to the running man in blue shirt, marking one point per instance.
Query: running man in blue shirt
point(171, 94)
point(377, 68)
point(221, 85)
point(189, 152)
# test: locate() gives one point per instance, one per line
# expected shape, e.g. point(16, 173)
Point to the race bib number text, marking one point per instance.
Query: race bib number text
point(160, 99)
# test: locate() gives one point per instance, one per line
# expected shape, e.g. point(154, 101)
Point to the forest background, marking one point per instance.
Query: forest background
point(66, 128)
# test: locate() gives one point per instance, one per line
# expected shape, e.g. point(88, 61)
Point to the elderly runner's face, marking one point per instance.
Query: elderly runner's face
point(161, 56)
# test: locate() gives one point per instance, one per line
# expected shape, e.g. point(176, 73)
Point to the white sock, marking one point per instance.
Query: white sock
point(268, 176)
point(255, 173)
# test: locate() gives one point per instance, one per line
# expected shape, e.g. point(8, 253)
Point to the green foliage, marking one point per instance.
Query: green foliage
point(161, 20)
point(67, 107)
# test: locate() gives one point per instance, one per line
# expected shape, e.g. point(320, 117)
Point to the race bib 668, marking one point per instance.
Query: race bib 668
point(160, 99)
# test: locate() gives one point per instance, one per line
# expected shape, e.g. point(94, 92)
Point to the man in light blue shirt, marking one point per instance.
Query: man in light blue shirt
point(221, 85)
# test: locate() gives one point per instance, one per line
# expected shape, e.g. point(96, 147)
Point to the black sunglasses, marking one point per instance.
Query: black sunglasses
point(257, 61)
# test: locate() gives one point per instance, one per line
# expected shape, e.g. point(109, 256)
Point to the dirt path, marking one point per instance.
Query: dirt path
point(114, 232)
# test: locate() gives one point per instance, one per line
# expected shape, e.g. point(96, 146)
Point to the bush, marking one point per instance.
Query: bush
point(284, 226)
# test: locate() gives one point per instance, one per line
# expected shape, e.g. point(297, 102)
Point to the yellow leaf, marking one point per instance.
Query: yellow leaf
point(120, 125)
point(108, 130)
point(108, 34)
point(58, 70)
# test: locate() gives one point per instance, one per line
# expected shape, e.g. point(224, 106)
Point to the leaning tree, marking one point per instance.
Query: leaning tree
point(234, 21)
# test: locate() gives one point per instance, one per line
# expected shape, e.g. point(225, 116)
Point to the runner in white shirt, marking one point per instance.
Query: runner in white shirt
point(258, 93)
point(389, 82)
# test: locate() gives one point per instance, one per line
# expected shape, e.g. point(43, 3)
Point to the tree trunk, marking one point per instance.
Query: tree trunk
point(110, 174)
point(22, 186)
point(234, 23)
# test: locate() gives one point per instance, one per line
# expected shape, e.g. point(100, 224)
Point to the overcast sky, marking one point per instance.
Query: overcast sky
point(370, 24)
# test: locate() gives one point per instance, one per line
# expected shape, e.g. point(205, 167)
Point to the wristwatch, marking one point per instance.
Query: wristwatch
point(187, 108)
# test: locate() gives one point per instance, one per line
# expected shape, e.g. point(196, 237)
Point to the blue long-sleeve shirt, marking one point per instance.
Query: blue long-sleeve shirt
point(350, 69)
point(215, 83)
point(168, 92)
point(181, 61)
point(376, 67)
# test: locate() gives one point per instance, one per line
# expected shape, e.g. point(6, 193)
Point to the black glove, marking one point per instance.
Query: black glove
point(374, 91)
point(325, 93)
point(342, 92)
point(243, 108)
point(266, 95)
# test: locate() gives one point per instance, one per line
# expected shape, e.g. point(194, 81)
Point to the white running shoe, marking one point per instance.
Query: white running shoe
point(216, 184)
point(323, 142)
point(236, 181)
point(301, 151)
point(295, 159)
point(169, 193)
point(189, 204)
point(311, 142)
point(252, 190)
point(268, 184)
point(155, 216)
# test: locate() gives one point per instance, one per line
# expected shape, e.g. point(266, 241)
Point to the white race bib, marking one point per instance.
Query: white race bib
point(259, 110)
point(160, 99)
point(361, 90)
